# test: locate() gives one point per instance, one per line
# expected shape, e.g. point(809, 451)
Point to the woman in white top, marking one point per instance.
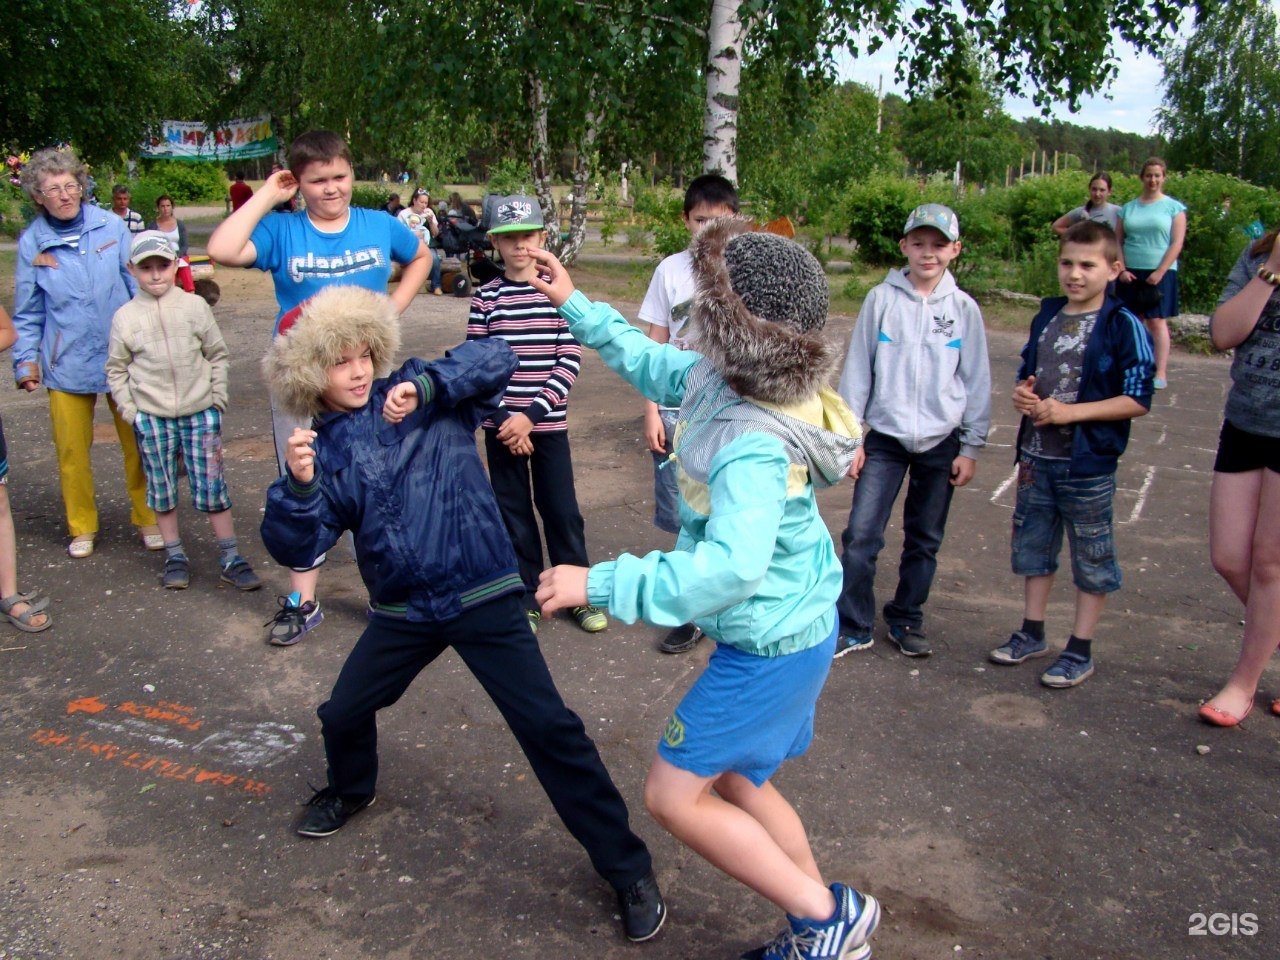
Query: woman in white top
point(419, 218)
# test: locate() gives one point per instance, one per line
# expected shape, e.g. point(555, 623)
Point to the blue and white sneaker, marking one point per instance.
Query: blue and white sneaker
point(849, 643)
point(1069, 670)
point(843, 937)
point(1020, 646)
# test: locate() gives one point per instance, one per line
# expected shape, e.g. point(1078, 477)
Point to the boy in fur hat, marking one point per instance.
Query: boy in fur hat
point(754, 566)
point(393, 459)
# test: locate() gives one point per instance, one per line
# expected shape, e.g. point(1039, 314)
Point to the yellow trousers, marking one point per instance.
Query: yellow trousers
point(72, 417)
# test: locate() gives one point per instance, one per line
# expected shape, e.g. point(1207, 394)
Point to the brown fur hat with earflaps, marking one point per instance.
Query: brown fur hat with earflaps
point(296, 367)
point(759, 310)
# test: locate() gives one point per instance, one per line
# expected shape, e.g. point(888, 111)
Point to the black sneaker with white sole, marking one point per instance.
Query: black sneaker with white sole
point(327, 813)
point(681, 640)
point(910, 640)
point(642, 908)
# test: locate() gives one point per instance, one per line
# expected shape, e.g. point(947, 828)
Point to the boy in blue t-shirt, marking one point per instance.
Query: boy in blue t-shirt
point(329, 243)
point(1087, 370)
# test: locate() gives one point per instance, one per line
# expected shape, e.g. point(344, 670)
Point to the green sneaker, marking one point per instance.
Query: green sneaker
point(590, 619)
point(535, 618)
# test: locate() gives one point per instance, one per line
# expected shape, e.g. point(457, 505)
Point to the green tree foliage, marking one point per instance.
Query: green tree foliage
point(1222, 88)
point(98, 74)
point(799, 162)
point(962, 122)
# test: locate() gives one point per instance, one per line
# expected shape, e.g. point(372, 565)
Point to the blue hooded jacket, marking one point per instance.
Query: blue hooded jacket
point(63, 314)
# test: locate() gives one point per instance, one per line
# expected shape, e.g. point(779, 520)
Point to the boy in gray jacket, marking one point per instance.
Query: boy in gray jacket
point(167, 367)
point(918, 377)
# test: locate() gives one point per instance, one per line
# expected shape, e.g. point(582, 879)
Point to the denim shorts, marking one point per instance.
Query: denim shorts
point(1050, 500)
point(746, 714)
point(666, 492)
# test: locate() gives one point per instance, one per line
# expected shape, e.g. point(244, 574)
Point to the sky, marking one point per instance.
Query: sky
point(1135, 94)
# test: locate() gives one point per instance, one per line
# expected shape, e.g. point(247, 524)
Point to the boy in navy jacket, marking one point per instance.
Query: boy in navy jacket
point(1086, 372)
point(394, 461)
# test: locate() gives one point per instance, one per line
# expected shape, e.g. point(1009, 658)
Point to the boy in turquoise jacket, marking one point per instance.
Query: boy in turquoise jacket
point(754, 566)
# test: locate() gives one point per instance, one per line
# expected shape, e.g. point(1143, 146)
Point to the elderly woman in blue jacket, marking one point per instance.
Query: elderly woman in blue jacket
point(71, 278)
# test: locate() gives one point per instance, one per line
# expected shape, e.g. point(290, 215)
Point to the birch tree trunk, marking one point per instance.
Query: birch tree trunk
point(724, 72)
point(583, 166)
point(539, 165)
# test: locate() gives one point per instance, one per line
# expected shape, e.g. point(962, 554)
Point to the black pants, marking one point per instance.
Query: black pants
point(499, 649)
point(551, 470)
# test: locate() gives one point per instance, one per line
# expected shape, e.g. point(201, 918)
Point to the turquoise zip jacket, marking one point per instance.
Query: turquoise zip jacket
point(754, 566)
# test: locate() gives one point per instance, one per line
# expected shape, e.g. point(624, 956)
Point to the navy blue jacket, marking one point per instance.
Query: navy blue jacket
point(1118, 361)
point(429, 539)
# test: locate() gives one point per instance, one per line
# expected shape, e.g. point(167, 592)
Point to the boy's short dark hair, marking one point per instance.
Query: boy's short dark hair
point(317, 146)
point(1089, 232)
point(713, 190)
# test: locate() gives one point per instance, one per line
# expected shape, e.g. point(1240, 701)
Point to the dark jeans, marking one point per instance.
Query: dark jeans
point(496, 644)
point(549, 473)
point(924, 518)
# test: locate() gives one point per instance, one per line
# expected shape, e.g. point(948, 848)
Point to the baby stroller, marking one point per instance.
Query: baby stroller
point(468, 260)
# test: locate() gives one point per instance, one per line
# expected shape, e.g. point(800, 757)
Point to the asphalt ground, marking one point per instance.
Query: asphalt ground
point(156, 750)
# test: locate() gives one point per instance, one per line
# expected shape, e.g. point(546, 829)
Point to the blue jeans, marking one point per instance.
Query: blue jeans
point(436, 258)
point(924, 518)
point(1051, 500)
point(666, 492)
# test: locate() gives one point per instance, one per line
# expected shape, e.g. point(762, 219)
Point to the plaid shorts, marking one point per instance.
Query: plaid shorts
point(199, 437)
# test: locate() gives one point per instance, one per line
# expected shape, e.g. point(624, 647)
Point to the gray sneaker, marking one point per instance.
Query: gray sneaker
point(1020, 646)
point(910, 640)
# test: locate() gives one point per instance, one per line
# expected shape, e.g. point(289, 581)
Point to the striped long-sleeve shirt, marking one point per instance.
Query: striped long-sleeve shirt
point(549, 355)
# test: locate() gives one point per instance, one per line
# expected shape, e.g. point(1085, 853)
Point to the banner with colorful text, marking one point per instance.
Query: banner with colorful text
point(234, 140)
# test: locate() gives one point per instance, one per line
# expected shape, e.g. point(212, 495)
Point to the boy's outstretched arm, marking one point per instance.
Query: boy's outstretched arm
point(229, 243)
point(657, 370)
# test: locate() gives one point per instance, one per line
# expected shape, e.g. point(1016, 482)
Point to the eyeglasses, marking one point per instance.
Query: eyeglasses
point(69, 190)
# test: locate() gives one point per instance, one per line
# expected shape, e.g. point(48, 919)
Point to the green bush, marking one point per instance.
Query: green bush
point(1034, 203)
point(372, 196)
point(184, 182)
point(1038, 269)
point(876, 211)
point(660, 210)
point(510, 176)
point(1215, 237)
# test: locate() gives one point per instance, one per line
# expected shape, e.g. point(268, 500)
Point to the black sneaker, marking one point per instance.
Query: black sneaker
point(177, 573)
point(642, 908)
point(910, 640)
point(681, 639)
point(327, 812)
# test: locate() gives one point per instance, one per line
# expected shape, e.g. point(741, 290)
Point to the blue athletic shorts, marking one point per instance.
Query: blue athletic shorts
point(746, 713)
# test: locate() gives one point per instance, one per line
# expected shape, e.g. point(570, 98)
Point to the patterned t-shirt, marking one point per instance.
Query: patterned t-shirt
point(1253, 405)
point(1059, 360)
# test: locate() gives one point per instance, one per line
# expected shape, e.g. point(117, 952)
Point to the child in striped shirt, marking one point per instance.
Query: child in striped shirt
point(527, 440)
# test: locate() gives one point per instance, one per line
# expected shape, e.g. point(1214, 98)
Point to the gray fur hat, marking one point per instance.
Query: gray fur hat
point(759, 310)
point(296, 367)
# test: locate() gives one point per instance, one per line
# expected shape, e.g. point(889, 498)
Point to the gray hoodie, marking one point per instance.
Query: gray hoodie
point(917, 367)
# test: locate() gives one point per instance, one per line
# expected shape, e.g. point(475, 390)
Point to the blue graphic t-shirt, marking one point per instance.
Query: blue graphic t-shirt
point(303, 261)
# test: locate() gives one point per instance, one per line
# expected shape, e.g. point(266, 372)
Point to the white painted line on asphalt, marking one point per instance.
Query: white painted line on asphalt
point(1142, 495)
point(1004, 486)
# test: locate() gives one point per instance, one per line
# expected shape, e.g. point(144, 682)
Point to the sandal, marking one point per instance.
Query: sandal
point(152, 539)
point(35, 606)
point(81, 546)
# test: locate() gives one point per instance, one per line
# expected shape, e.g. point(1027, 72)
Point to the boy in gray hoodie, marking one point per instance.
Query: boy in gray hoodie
point(918, 377)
